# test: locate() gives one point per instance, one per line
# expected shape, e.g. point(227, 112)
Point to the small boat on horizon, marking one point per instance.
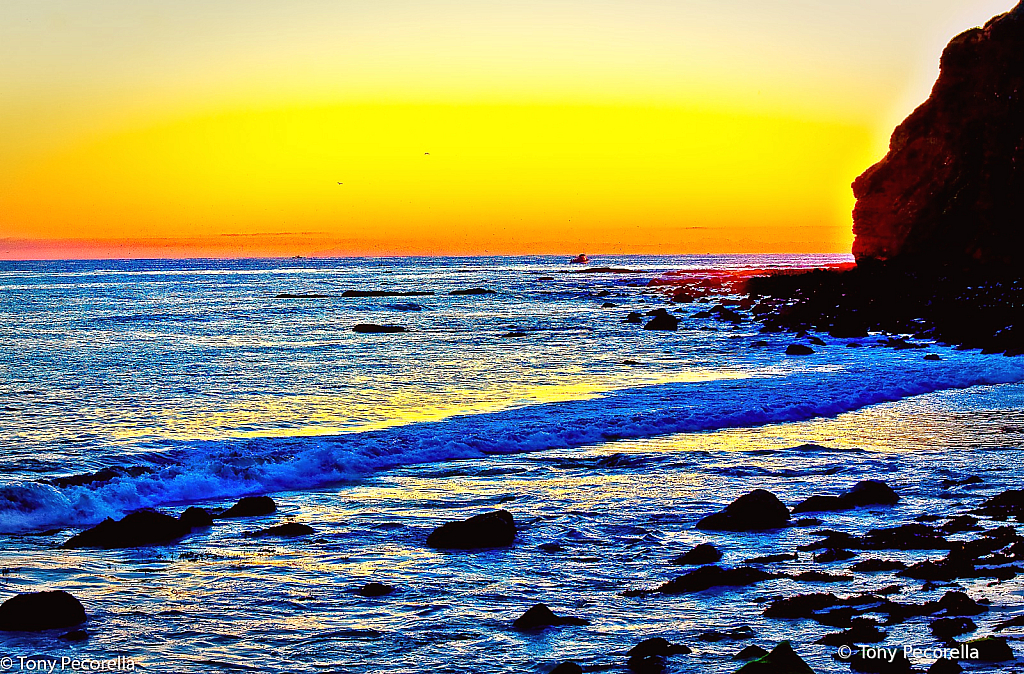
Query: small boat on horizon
point(580, 259)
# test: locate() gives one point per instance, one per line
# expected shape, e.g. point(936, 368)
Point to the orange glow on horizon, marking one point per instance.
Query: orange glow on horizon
point(200, 128)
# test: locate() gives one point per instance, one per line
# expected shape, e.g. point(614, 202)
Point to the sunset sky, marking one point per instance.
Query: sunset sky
point(131, 128)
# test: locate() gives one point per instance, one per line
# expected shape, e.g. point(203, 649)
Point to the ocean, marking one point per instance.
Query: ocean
point(196, 382)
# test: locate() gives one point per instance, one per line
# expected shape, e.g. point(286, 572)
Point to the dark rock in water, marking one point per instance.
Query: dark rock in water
point(944, 666)
point(196, 518)
point(289, 530)
point(609, 305)
point(374, 329)
point(947, 628)
point(960, 604)
point(864, 493)
point(876, 565)
point(550, 547)
point(1012, 622)
point(818, 504)
point(540, 617)
point(736, 634)
point(37, 611)
point(817, 341)
point(658, 646)
point(491, 530)
point(990, 649)
point(74, 636)
point(750, 653)
point(406, 306)
point(705, 553)
point(862, 631)
point(759, 344)
point(707, 577)
point(662, 321)
point(879, 662)
point(473, 291)
point(648, 664)
point(960, 524)
point(821, 577)
point(630, 361)
point(648, 657)
point(905, 537)
point(798, 350)
point(250, 506)
point(952, 183)
point(782, 660)
point(515, 333)
point(755, 511)
point(99, 477)
point(800, 606)
point(973, 479)
point(872, 492)
point(933, 356)
point(375, 590)
point(568, 667)
point(387, 293)
point(634, 317)
point(833, 555)
point(145, 527)
point(1008, 504)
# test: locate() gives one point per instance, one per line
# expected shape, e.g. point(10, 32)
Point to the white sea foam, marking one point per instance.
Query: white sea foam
point(211, 470)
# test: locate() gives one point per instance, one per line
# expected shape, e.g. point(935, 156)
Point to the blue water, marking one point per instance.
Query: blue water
point(195, 371)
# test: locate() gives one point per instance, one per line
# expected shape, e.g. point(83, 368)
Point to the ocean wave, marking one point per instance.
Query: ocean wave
point(213, 470)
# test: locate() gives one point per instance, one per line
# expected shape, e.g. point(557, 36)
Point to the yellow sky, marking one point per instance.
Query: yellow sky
point(224, 128)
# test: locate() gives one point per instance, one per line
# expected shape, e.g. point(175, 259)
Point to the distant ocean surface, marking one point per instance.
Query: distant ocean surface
point(198, 384)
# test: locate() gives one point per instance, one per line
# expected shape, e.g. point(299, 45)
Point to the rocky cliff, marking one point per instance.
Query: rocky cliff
point(951, 187)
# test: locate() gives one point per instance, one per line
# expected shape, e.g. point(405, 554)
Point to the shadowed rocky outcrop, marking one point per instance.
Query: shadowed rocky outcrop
point(952, 184)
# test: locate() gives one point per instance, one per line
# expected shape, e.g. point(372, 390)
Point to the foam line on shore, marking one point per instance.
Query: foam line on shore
point(210, 470)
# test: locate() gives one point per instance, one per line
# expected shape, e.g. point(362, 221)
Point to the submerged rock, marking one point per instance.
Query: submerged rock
point(145, 527)
point(750, 653)
point(755, 511)
point(374, 329)
point(289, 530)
point(491, 530)
point(196, 518)
point(634, 317)
point(648, 656)
point(705, 553)
point(662, 321)
point(944, 666)
point(37, 611)
point(990, 649)
point(473, 291)
point(708, 577)
point(540, 617)
point(947, 628)
point(799, 350)
point(250, 506)
point(782, 660)
point(735, 634)
point(568, 667)
point(375, 590)
point(865, 493)
point(878, 662)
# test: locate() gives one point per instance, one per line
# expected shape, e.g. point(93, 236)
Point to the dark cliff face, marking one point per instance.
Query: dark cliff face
point(951, 187)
